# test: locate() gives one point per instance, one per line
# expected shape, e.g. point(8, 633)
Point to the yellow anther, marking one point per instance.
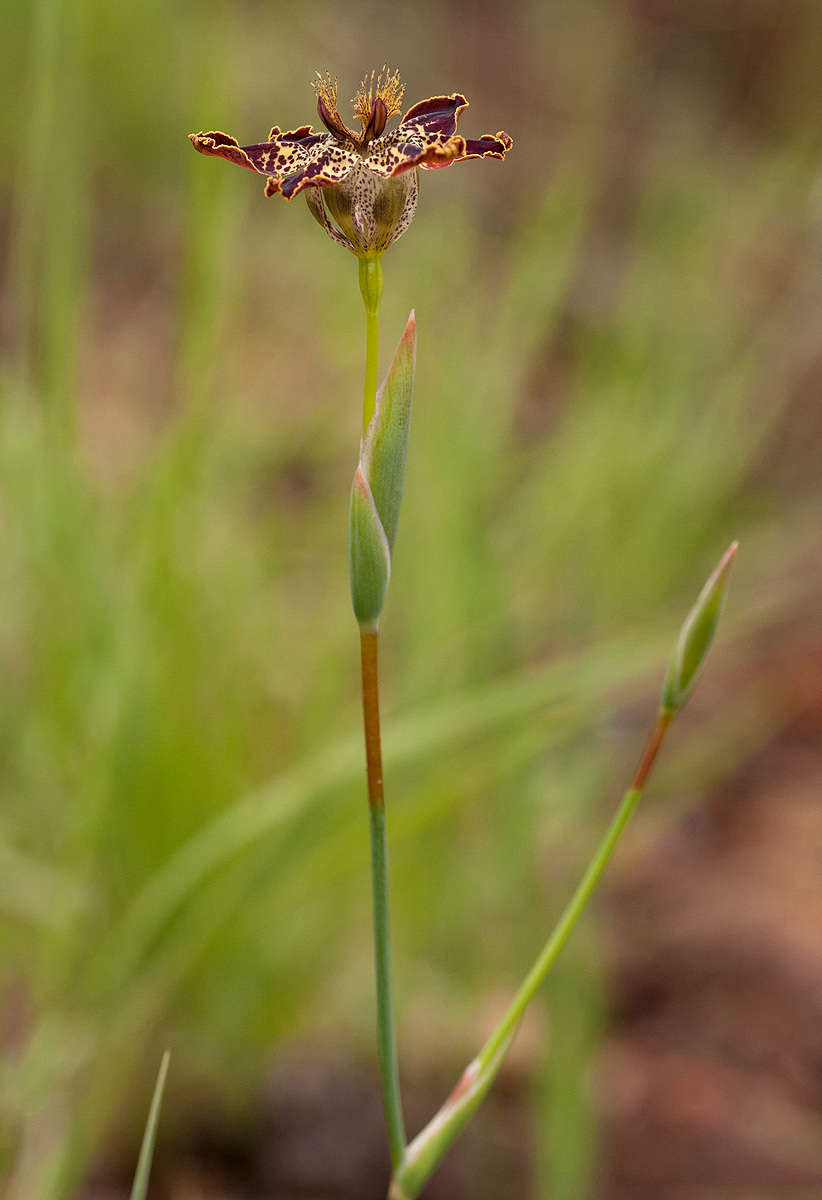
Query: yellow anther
point(386, 86)
point(326, 88)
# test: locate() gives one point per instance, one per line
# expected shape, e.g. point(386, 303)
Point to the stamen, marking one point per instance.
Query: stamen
point(386, 87)
point(326, 88)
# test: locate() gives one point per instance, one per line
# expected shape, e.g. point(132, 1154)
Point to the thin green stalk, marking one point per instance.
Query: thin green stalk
point(573, 910)
point(386, 1037)
point(140, 1187)
point(425, 1152)
point(562, 930)
point(371, 288)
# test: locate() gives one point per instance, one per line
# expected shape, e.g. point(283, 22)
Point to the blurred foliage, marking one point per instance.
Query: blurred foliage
point(618, 340)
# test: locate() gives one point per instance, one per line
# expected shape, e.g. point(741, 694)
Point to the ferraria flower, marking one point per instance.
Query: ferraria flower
point(360, 185)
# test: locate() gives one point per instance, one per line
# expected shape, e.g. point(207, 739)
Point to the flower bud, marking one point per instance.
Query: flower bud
point(376, 493)
point(696, 636)
point(369, 557)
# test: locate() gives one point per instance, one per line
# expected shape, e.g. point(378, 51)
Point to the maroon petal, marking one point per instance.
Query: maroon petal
point(437, 115)
point(292, 161)
point(425, 138)
point(223, 145)
point(488, 146)
point(305, 132)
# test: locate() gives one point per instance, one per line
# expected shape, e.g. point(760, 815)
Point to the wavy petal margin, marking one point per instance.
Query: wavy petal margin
point(439, 114)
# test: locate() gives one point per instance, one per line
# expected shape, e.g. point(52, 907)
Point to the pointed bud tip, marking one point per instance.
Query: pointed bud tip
point(410, 331)
point(726, 561)
point(696, 635)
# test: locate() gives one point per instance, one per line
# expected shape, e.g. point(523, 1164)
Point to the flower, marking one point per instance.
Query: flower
point(360, 185)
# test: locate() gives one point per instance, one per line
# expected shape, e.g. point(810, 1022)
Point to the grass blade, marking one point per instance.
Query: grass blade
point(140, 1187)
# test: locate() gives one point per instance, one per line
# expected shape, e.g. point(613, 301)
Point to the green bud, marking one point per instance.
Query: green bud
point(385, 445)
point(378, 482)
point(368, 555)
point(696, 636)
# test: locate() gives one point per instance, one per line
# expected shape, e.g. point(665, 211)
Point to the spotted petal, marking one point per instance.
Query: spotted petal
point(405, 148)
point(291, 161)
point(427, 137)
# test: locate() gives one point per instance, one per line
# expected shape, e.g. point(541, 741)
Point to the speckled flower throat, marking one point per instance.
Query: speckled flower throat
point(361, 185)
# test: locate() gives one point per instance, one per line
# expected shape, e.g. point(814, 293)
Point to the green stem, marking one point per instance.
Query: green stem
point(386, 1037)
point(371, 288)
point(140, 1186)
point(427, 1149)
point(573, 910)
point(562, 931)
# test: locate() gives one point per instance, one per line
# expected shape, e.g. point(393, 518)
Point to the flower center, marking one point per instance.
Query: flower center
point(378, 99)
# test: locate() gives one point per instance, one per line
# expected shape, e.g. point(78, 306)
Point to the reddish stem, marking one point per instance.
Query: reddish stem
point(651, 750)
point(371, 717)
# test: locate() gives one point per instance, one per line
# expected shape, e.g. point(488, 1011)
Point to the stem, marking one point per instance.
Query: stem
point(562, 929)
point(663, 720)
point(386, 1037)
point(573, 910)
point(371, 288)
point(429, 1146)
point(369, 650)
point(140, 1187)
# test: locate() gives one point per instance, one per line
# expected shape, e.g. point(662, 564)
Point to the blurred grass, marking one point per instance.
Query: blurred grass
point(614, 330)
point(140, 1187)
